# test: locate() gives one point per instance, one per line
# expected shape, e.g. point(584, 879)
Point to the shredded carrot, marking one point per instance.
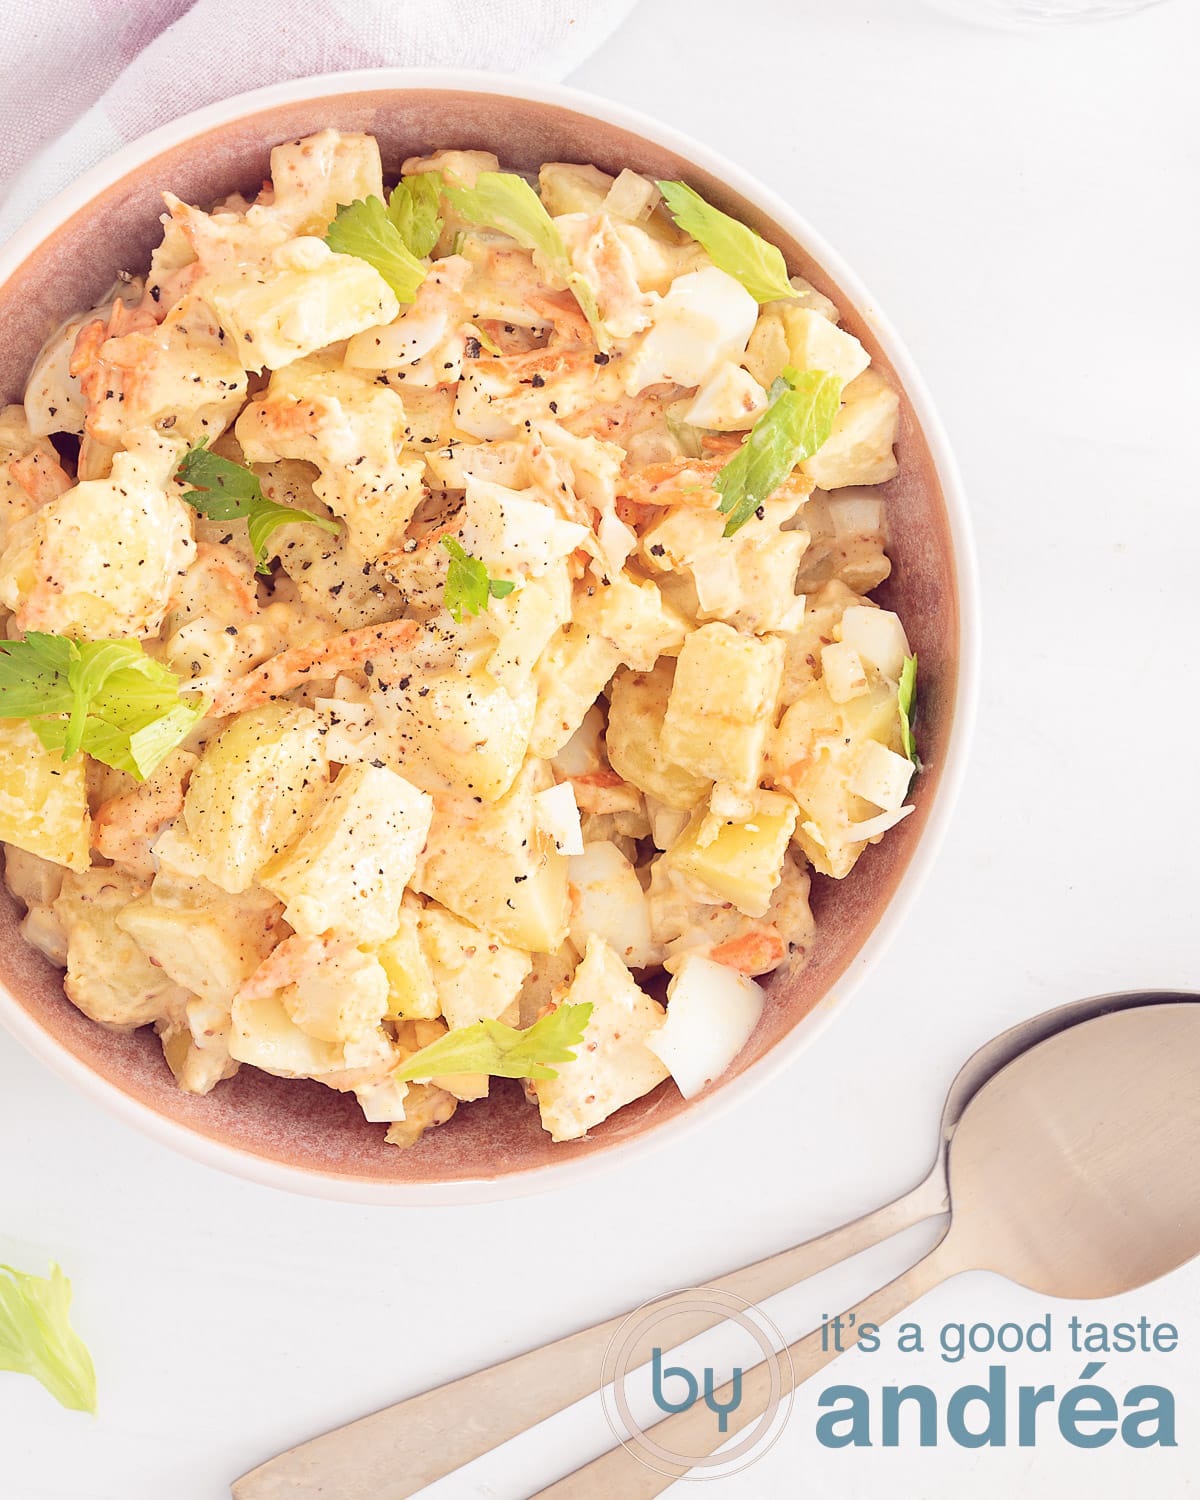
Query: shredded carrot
point(754, 951)
point(636, 513)
point(293, 667)
point(682, 481)
point(604, 792)
point(85, 356)
point(722, 442)
point(41, 477)
point(98, 361)
point(547, 363)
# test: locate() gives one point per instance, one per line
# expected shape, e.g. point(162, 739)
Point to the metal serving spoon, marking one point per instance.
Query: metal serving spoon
point(1075, 1171)
point(395, 1452)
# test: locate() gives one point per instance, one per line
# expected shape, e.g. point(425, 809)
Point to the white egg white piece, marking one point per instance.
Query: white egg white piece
point(711, 1012)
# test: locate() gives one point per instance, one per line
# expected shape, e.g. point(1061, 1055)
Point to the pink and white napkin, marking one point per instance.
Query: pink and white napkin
point(78, 78)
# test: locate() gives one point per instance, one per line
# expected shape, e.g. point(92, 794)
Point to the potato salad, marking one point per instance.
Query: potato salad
point(438, 634)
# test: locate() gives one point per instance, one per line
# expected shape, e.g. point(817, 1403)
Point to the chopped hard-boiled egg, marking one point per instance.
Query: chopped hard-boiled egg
point(844, 675)
point(878, 638)
point(701, 323)
point(607, 901)
point(728, 401)
point(518, 535)
point(711, 1014)
point(557, 815)
point(881, 776)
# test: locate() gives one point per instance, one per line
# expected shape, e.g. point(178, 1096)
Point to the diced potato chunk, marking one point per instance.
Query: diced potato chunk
point(584, 754)
point(636, 714)
point(722, 704)
point(491, 866)
point(58, 577)
point(319, 1000)
point(785, 335)
point(518, 533)
point(411, 992)
point(767, 351)
point(342, 998)
point(302, 300)
point(43, 799)
point(607, 901)
point(816, 628)
point(53, 400)
point(31, 879)
point(201, 937)
point(16, 442)
point(255, 788)
point(749, 945)
point(312, 177)
point(612, 1065)
point(567, 188)
point(458, 732)
point(814, 343)
point(109, 978)
point(425, 1105)
point(741, 862)
point(660, 252)
point(635, 617)
point(711, 1015)
point(848, 540)
point(807, 296)
point(462, 168)
point(546, 981)
point(347, 871)
point(843, 672)
point(352, 429)
point(423, 350)
point(814, 756)
point(330, 573)
point(183, 374)
point(476, 977)
point(632, 196)
point(265, 1035)
point(450, 467)
point(526, 621)
point(859, 449)
point(571, 675)
point(197, 1049)
point(748, 579)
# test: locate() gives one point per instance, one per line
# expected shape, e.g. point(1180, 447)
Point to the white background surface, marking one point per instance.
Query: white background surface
point(1023, 205)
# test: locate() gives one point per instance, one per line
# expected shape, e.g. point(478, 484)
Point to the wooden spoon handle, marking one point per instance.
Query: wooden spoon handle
point(393, 1453)
point(694, 1433)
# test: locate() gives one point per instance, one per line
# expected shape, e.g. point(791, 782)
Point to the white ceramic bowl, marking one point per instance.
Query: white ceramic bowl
point(305, 1137)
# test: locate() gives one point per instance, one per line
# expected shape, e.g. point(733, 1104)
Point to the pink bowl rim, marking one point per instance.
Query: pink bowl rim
point(553, 1175)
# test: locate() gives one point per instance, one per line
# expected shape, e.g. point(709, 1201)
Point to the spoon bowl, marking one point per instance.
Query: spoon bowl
point(987, 1061)
point(1076, 1170)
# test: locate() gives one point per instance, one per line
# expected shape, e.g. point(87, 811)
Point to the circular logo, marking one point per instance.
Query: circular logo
point(739, 1407)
